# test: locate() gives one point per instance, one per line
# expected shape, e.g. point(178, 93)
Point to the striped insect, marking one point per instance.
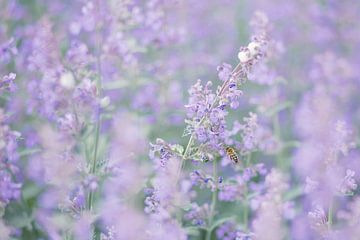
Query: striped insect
point(232, 155)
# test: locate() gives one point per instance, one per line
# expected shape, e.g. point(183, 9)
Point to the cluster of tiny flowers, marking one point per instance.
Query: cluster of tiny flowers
point(7, 82)
point(318, 219)
point(230, 231)
point(271, 207)
point(348, 184)
point(198, 214)
point(198, 178)
point(8, 50)
point(110, 235)
point(227, 231)
point(9, 190)
point(164, 195)
point(9, 172)
point(256, 136)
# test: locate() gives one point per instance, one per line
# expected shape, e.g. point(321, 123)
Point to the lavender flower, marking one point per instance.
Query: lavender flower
point(244, 236)
point(232, 191)
point(256, 136)
point(9, 189)
point(198, 214)
point(9, 172)
point(5, 231)
point(268, 223)
point(348, 184)
point(311, 185)
point(227, 231)
point(7, 82)
point(85, 92)
point(318, 220)
point(198, 178)
point(224, 71)
point(351, 216)
point(207, 110)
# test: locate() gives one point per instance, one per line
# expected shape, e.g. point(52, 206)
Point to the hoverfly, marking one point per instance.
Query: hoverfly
point(231, 153)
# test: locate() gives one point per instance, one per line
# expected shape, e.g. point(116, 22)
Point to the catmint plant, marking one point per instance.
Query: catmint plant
point(144, 119)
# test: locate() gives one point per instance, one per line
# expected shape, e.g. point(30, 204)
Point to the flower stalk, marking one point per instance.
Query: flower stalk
point(246, 193)
point(330, 214)
point(98, 120)
point(214, 197)
point(277, 130)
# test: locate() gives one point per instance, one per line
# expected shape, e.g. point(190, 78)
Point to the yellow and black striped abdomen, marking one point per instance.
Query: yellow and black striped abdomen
point(231, 153)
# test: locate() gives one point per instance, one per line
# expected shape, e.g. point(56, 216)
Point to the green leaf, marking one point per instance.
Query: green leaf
point(17, 217)
point(252, 195)
point(30, 191)
point(221, 221)
point(186, 207)
point(188, 121)
point(278, 108)
point(357, 143)
point(177, 148)
point(292, 144)
point(294, 193)
point(115, 85)
point(26, 152)
point(107, 116)
point(2, 209)
point(194, 231)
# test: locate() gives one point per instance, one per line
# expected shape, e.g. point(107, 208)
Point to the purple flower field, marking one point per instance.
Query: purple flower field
point(179, 119)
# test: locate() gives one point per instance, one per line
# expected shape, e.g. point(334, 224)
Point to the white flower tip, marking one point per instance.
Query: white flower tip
point(2, 144)
point(12, 75)
point(104, 102)
point(244, 56)
point(254, 48)
point(67, 80)
point(75, 28)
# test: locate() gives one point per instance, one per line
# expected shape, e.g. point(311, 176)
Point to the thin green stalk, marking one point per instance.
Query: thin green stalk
point(213, 201)
point(67, 235)
point(277, 130)
point(246, 193)
point(330, 214)
point(188, 147)
point(183, 157)
point(246, 211)
point(98, 122)
point(97, 136)
point(93, 166)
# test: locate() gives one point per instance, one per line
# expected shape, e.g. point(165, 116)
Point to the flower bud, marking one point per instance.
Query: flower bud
point(67, 80)
point(244, 56)
point(254, 48)
point(104, 102)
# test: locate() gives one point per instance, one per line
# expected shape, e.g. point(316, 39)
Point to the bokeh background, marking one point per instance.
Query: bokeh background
point(101, 134)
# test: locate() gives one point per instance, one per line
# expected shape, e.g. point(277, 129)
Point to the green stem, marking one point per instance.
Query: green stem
point(246, 193)
point(330, 214)
point(93, 166)
point(246, 211)
point(188, 147)
point(183, 157)
point(213, 201)
point(98, 122)
point(97, 136)
point(277, 131)
point(247, 160)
